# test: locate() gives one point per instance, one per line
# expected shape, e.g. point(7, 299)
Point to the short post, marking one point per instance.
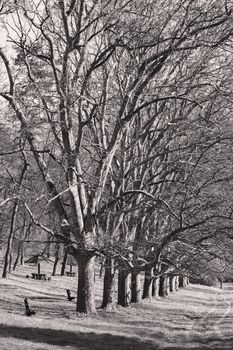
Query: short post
point(28, 312)
point(69, 297)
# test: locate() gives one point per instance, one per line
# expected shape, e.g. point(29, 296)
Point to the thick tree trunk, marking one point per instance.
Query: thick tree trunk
point(163, 286)
point(136, 289)
point(86, 284)
point(124, 290)
point(183, 282)
point(102, 264)
point(172, 283)
point(177, 282)
point(168, 285)
point(109, 298)
point(147, 287)
point(155, 287)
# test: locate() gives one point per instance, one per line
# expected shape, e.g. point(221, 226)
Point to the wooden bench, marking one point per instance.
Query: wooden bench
point(39, 276)
point(70, 274)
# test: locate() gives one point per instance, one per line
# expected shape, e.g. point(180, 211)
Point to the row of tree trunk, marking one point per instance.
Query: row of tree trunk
point(132, 290)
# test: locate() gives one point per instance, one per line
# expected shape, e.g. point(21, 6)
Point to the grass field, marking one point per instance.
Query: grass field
point(197, 317)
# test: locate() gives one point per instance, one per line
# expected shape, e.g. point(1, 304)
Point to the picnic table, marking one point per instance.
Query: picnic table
point(70, 274)
point(39, 276)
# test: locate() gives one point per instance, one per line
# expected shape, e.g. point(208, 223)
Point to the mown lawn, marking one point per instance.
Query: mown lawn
point(197, 317)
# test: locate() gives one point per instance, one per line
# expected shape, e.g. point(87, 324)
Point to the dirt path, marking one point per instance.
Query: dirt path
point(200, 318)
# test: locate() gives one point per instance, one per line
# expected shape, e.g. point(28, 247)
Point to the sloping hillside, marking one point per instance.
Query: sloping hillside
point(197, 317)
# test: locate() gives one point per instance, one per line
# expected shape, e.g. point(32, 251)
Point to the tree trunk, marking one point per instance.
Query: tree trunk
point(109, 298)
point(155, 287)
point(183, 282)
point(168, 285)
point(124, 291)
point(55, 265)
point(86, 284)
point(23, 235)
point(49, 244)
point(63, 265)
point(22, 254)
point(147, 287)
point(177, 282)
point(20, 251)
point(102, 264)
point(17, 257)
point(7, 260)
point(163, 286)
point(10, 263)
point(172, 283)
point(136, 289)
point(57, 248)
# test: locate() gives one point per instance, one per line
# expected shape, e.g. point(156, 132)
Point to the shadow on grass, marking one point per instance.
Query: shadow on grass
point(23, 290)
point(93, 341)
point(79, 340)
point(49, 299)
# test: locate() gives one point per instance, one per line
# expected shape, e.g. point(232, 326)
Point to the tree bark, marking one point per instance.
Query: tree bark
point(155, 287)
point(86, 283)
point(49, 244)
point(124, 291)
point(147, 287)
point(163, 286)
point(7, 260)
point(22, 254)
point(136, 289)
point(10, 263)
point(109, 298)
point(18, 256)
point(63, 265)
point(57, 248)
point(177, 282)
point(20, 250)
point(168, 285)
point(183, 282)
point(172, 283)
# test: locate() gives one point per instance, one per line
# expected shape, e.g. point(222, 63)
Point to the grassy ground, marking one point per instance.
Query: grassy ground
point(197, 317)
